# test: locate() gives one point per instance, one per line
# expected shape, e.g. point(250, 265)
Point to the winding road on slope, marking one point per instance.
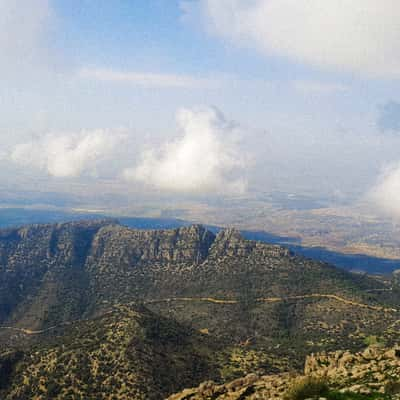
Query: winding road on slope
point(279, 299)
point(27, 331)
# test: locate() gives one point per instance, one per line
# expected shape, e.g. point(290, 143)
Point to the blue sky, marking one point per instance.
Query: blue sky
point(276, 94)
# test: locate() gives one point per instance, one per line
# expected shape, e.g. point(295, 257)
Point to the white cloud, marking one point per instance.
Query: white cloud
point(67, 155)
point(386, 193)
point(360, 36)
point(204, 159)
point(146, 79)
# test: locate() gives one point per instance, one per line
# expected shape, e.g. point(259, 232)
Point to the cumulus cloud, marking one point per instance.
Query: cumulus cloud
point(389, 117)
point(67, 155)
point(146, 79)
point(386, 193)
point(360, 36)
point(204, 159)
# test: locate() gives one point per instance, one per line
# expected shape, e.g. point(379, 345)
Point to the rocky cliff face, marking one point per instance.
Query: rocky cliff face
point(37, 245)
point(187, 245)
point(50, 273)
point(230, 243)
point(39, 264)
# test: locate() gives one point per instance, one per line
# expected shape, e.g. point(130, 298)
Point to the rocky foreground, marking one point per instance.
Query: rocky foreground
point(371, 374)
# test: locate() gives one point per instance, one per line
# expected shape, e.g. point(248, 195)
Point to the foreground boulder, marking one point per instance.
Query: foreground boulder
point(371, 374)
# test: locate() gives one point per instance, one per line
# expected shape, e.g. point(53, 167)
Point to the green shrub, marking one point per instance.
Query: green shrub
point(306, 388)
point(374, 340)
point(356, 396)
point(392, 387)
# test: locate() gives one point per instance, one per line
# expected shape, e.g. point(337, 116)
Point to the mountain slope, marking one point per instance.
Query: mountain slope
point(258, 307)
point(127, 353)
